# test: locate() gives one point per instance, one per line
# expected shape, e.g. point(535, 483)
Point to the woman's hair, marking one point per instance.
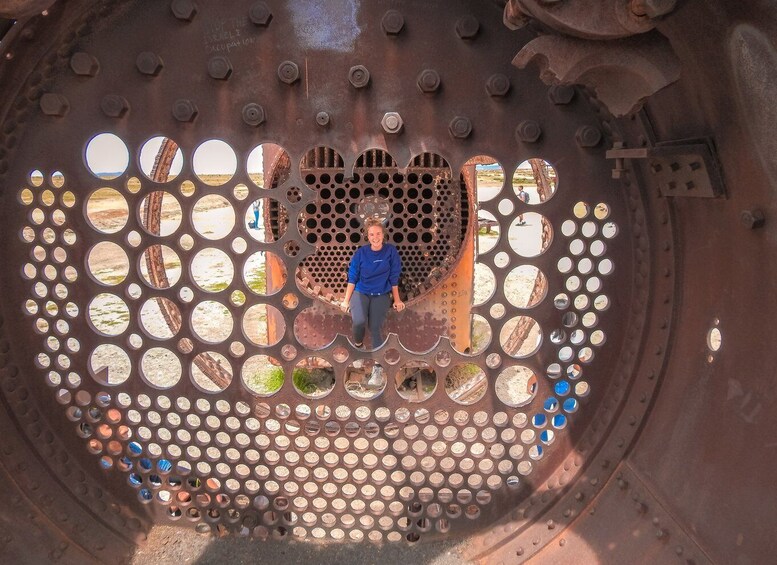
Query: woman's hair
point(370, 222)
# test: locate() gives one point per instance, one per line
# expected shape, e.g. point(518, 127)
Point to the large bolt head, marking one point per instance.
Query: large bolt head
point(253, 114)
point(83, 64)
point(561, 94)
point(460, 127)
point(428, 80)
point(392, 22)
point(588, 136)
point(528, 131)
point(497, 85)
point(359, 76)
point(219, 67)
point(149, 63)
point(183, 9)
point(184, 110)
point(322, 119)
point(467, 27)
point(54, 104)
point(114, 106)
point(392, 122)
point(259, 13)
point(288, 72)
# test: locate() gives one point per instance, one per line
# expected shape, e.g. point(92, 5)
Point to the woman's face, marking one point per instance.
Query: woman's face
point(375, 236)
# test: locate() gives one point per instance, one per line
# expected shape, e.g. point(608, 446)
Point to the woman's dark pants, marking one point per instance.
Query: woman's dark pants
point(369, 311)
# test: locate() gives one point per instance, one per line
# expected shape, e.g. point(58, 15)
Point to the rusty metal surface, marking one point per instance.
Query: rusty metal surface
point(390, 453)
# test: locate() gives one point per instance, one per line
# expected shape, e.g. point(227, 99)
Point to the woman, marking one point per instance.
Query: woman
point(373, 276)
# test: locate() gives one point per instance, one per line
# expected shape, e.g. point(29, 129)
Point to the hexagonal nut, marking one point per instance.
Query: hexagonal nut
point(752, 219)
point(253, 114)
point(392, 122)
point(561, 94)
point(359, 76)
point(288, 72)
point(322, 119)
point(84, 64)
point(184, 110)
point(149, 63)
point(460, 127)
point(392, 22)
point(183, 9)
point(114, 106)
point(467, 27)
point(259, 14)
point(498, 85)
point(588, 136)
point(428, 80)
point(54, 104)
point(528, 131)
point(219, 67)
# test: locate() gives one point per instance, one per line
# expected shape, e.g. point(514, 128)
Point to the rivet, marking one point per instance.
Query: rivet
point(428, 80)
point(288, 72)
point(322, 119)
point(460, 127)
point(497, 85)
point(528, 131)
point(84, 64)
point(53, 104)
point(359, 76)
point(219, 67)
point(678, 550)
point(149, 63)
point(184, 110)
point(114, 106)
point(259, 14)
point(467, 27)
point(183, 9)
point(588, 136)
point(562, 542)
point(392, 22)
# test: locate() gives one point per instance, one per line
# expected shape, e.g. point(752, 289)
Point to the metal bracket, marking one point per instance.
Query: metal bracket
point(687, 167)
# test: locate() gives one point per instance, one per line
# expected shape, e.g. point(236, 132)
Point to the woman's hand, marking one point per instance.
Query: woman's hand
point(345, 306)
point(399, 305)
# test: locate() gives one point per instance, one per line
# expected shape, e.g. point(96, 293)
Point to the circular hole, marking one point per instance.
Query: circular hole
point(501, 260)
point(108, 314)
point(107, 156)
point(534, 181)
point(213, 217)
point(506, 207)
point(263, 325)
point(466, 383)
point(581, 210)
point(520, 337)
point(479, 336)
point(211, 372)
point(568, 228)
point(313, 377)
point(211, 321)
point(109, 364)
point(268, 158)
point(266, 220)
point(416, 381)
point(160, 318)
point(265, 273)
point(161, 160)
point(214, 162)
point(365, 379)
point(601, 211)
point(530, 236)
point(212, 270)
point(108, 263)
point(525, 286)
point(160, 213)
point(262, 375)
point(160, 266)
point(488, 231)
point(485, 284)
point(516, 386)
point(609, 230)
point(605, 267)
point(107, 210)
point(160, 367)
